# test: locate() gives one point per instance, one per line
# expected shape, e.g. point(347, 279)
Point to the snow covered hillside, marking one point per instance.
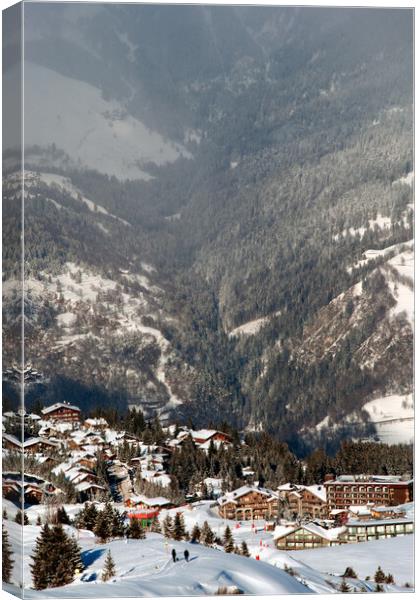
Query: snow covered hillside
point(393, 417)
point(145, 568)
point(94, 132)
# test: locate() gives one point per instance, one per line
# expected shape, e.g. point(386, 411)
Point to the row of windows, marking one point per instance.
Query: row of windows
point(356, 488)
point(383, 528)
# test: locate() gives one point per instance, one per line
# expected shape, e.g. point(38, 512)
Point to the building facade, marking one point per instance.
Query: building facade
point(62, 412)
point(305, 501)
point(246, 504)
point(357, 491)
point(378, 529)
point(310, 536)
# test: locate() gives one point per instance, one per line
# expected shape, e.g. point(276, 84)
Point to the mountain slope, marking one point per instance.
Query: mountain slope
point(262, 164)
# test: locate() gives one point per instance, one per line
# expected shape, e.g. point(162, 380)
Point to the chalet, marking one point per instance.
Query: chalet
point(248, 503)
point(89, 491)
point(362, 513)
point(205, 436)
point(33, 488)
point(305, 501)
point(349, 490)
point(30, 446)
point(308, 535)
point(98, 424)
point(376, 529)
point(142, 501)
point(62, 411)
point(386, 512)
point(11, 442)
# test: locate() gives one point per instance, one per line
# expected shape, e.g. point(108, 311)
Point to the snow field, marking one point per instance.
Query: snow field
point(97, 133)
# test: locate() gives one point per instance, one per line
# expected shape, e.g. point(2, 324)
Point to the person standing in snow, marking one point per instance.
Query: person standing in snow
point(174, 554)
point(186, 555)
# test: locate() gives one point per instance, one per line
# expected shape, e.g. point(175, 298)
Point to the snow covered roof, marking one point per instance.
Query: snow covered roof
point(158, 501)
point(373, 522)
point(27, 443)
point(328, 534)
point(34, 417)
point(98, 422)
point(12, 439)
point(87, 485)
point(366, 479)
point(317, 490)
point(242, 491)
point(360, 510)
point(57, 405)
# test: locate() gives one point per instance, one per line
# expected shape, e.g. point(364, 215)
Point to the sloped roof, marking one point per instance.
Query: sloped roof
point(57, 405)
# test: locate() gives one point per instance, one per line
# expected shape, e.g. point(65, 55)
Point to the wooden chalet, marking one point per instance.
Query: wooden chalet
point(98, 424)
point(305, 501)
point(35, 445)
point(62, 411)
point(248, 503)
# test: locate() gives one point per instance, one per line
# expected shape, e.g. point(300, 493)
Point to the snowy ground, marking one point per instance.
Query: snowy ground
point(365, 558)
point(145, 567)
point(393, 417)
point(252, 327)
point(98, 133)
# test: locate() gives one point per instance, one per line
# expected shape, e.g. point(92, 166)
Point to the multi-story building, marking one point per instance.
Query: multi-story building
point(248, 503)
point(307, 501)
point(62, 411)
point(357, 490)
point(376, 529)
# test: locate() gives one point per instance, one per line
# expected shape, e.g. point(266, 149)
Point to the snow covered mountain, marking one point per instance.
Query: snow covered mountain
point(219, 215)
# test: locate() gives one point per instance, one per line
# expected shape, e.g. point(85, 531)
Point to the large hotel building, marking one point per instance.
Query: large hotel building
point(358, 490)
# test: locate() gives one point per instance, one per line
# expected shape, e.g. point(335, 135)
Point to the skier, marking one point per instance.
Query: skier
point(186, 555)
point(174, 554)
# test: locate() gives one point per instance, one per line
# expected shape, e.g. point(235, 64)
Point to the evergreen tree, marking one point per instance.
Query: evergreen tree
point(207, 536)
point(135, 530)
point(109, 567)
point(389, 578)
point(62, 516)
point(379, 588)
point(156, 528)
point(56, 558)
point(179, 532)
point(40, 558)
point(196, 534)
point(103, 526)
point(244, 549)
point(7, 561)
point(350, 572)
point(5, 515)
point(228, 540)
point(167, 526)
point(39, 520)
point(87, 517)
point(379, 576)
point(117, 522)
point(21, 518)
point(344, 587)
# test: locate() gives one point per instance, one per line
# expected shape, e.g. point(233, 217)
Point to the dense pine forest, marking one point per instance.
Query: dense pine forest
point(301, 150)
